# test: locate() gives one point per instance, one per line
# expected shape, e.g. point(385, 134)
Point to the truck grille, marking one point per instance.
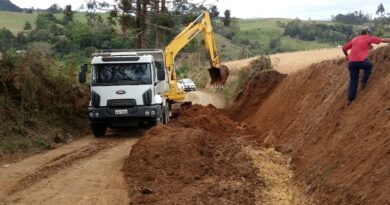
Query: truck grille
point(121, 103)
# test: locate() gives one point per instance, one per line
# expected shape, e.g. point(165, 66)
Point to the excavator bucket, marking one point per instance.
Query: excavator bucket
point(219, 76)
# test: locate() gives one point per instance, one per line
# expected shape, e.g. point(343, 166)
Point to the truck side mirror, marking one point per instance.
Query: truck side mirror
point(83, 73)
point(160, 74)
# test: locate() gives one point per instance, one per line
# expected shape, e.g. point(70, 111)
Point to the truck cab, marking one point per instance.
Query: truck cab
point(126, 89)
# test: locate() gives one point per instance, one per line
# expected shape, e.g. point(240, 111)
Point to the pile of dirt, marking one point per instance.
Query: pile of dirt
point(341, 154)
point(213, 121)
point(197, 159)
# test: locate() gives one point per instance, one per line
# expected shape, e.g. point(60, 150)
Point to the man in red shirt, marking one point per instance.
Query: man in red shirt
point(357, 59)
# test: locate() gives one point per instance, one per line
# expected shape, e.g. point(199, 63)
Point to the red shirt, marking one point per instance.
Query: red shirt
point(360, 46)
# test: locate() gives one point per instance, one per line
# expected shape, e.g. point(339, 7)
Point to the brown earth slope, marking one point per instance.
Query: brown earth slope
point(256, 91)
point(341, 154)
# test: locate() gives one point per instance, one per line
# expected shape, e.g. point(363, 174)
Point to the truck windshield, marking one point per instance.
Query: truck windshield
point(121, 74)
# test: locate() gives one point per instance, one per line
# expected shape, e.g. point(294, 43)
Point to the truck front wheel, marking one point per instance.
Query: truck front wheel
point(99, 130)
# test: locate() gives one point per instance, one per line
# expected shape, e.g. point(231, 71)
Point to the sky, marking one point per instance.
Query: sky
point(303, 9)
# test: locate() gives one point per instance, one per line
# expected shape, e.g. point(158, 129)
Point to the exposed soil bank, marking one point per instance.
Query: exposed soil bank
point(341, 154)
point(338, 154)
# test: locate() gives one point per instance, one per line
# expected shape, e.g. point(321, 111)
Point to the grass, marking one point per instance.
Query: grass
point(14, 21)
point(262, 30)
point(263, 23)
point(227, 50)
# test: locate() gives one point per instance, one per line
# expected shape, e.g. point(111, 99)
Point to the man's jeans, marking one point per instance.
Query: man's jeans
point(354, 68)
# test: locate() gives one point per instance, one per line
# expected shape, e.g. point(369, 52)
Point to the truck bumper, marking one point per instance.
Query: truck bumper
point(125, 116)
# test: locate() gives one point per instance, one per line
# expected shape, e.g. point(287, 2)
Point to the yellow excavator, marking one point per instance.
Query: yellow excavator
point(137, 87)
point(218, 73)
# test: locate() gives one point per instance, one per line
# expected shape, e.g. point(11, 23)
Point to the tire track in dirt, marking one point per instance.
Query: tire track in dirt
point(87, 171)
point(61, 163)
point(16, 171)
point(95, 180)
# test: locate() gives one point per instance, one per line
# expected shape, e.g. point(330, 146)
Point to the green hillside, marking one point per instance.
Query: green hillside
point(14, 21)
point(248, 32)
point(261, 31)
point(227, 49)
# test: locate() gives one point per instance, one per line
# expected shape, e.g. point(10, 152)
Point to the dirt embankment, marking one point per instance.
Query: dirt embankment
point(200, 158)
point(340, 153)
point(255, 92)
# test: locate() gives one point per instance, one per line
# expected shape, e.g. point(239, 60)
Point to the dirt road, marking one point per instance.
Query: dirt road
point(293, 61)
point(205, 98)
point(87, 171)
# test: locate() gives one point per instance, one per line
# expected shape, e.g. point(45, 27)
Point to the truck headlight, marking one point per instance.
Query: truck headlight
point(147, 112)
point(96, 114)
point(152, 112)
point(91, 114)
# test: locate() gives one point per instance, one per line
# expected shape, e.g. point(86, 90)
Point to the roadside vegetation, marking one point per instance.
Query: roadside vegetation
point(239, 78)
point(41, 102)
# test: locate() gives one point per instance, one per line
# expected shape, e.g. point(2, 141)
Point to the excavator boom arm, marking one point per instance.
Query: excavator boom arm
point(218, 73)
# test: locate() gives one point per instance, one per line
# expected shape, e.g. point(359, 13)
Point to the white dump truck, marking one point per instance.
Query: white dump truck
point(126, 89)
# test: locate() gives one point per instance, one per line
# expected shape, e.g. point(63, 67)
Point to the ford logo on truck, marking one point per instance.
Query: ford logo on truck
point(120, 92)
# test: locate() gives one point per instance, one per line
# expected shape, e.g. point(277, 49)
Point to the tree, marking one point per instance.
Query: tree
point(214, 13)
point(68, 14)
point(27, 26)
point(274, 43)
point(45, 20)
point(356, 17)
point(7, 39)
point(123, 14)
point(55, 8)
point(21, 38)
point(227, 19)
point(29, 11)
point(141, 19)
point(380, 10)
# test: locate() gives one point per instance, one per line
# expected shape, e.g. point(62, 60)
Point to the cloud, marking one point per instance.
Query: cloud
point(297, 8)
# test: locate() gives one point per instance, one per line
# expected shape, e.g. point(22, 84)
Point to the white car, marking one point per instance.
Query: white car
point(186, 85)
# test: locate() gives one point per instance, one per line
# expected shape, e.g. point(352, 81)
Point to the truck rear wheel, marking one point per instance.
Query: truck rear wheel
point(98, 130)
